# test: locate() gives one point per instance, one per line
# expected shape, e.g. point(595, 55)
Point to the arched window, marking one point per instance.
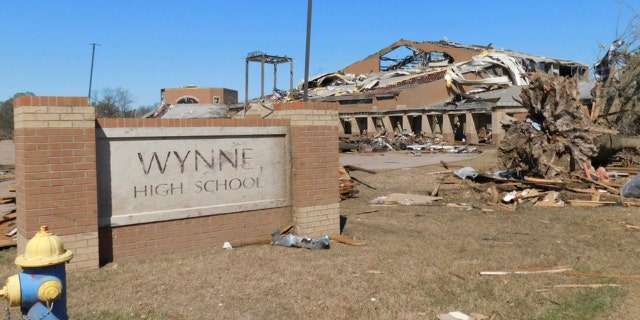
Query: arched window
point(187, 100)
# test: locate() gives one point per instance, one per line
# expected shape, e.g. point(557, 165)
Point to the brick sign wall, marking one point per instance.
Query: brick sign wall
point(159, 185)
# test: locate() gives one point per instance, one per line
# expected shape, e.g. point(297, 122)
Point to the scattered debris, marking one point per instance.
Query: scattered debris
point(365, 212)
point(631, 227)
point(260, 241)
point(405, 199)
point(348, 186)
point(290, 240)
point(414, 143)
point(8, 216)
point(466, 172)
point(590, 203)
point(578, 286)
point(632, 188)
point(510, 189)
point(464, 206)
point(553, 269)
point(457, 315)
point(601, 275)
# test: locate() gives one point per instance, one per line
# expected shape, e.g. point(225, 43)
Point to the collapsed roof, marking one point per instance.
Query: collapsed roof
point(466, 69)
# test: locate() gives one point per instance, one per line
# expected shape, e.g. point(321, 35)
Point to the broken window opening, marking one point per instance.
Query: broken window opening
point(362, 125)
point(396, 123)
point(377, 121)
point(406, 57)
point(346, 126)
point(415, 124)
point(436, 121)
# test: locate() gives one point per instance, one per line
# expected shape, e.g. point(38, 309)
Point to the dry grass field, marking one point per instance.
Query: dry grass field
point(418, 262)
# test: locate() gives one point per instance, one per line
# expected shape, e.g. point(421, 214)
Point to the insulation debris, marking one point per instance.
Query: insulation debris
point(290, 240)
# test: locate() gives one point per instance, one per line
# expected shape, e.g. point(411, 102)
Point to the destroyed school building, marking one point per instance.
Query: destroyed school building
point(434, 88)
point(192, 101)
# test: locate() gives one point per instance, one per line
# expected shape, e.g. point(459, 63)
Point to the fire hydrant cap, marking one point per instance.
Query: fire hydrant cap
point(44, 249)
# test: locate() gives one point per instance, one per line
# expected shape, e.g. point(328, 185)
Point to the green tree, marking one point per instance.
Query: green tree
point(6, 115)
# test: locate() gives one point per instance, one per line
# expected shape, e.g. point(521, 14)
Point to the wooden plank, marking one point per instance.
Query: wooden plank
point(349, 167)
point(609, 188)
point(577, 190)
point(365, 212)
point(590, 203)
point(590, 285)
point(578, 286)
point(631, 227)
point(545, 181)
point(603, 275)
point(7, 242)
point(503, 206)
point(436, 188)
point(544, 203)
point(6, 200)
point(552, 269)
point(347, 240)
point(624, 169)
point(9, 216)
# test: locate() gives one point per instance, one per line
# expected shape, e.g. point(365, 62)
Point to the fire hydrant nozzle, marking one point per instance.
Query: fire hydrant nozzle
point(50, 291)
point(11, 291)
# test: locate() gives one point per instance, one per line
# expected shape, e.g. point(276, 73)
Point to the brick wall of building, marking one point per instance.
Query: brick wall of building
point(203, 95)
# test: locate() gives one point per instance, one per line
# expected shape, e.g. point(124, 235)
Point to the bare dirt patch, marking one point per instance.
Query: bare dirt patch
point(419, 261)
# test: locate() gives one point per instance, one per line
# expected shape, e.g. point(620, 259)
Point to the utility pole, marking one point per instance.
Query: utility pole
point(305, 95)
point(93, 53)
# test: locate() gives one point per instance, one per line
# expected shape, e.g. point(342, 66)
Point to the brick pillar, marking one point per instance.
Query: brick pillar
point(386, 121)
point(56, 173)
point(426, 125)
point(470, 128)
point(371, 127)
point(314, 166)
point(447, 128)
point(405, 124)
point(355, 128)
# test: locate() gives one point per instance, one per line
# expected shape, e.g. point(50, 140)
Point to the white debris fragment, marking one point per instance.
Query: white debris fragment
point(466, 172)
point(454, 315)
point(510, 196)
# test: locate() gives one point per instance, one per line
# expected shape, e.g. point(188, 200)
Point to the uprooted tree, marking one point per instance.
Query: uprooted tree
point(561, 136)
point(558, 136)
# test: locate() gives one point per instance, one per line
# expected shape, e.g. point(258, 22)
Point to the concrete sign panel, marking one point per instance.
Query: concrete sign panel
point(156, 174)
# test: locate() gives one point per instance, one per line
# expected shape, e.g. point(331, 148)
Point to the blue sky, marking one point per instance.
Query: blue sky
point(149, 45)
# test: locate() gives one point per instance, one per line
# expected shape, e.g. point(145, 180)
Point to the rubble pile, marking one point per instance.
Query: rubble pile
point(400, 142)
point(560, 136)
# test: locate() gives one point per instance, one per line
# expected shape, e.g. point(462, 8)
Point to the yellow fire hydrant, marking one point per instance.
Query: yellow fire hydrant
point(40, 289)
